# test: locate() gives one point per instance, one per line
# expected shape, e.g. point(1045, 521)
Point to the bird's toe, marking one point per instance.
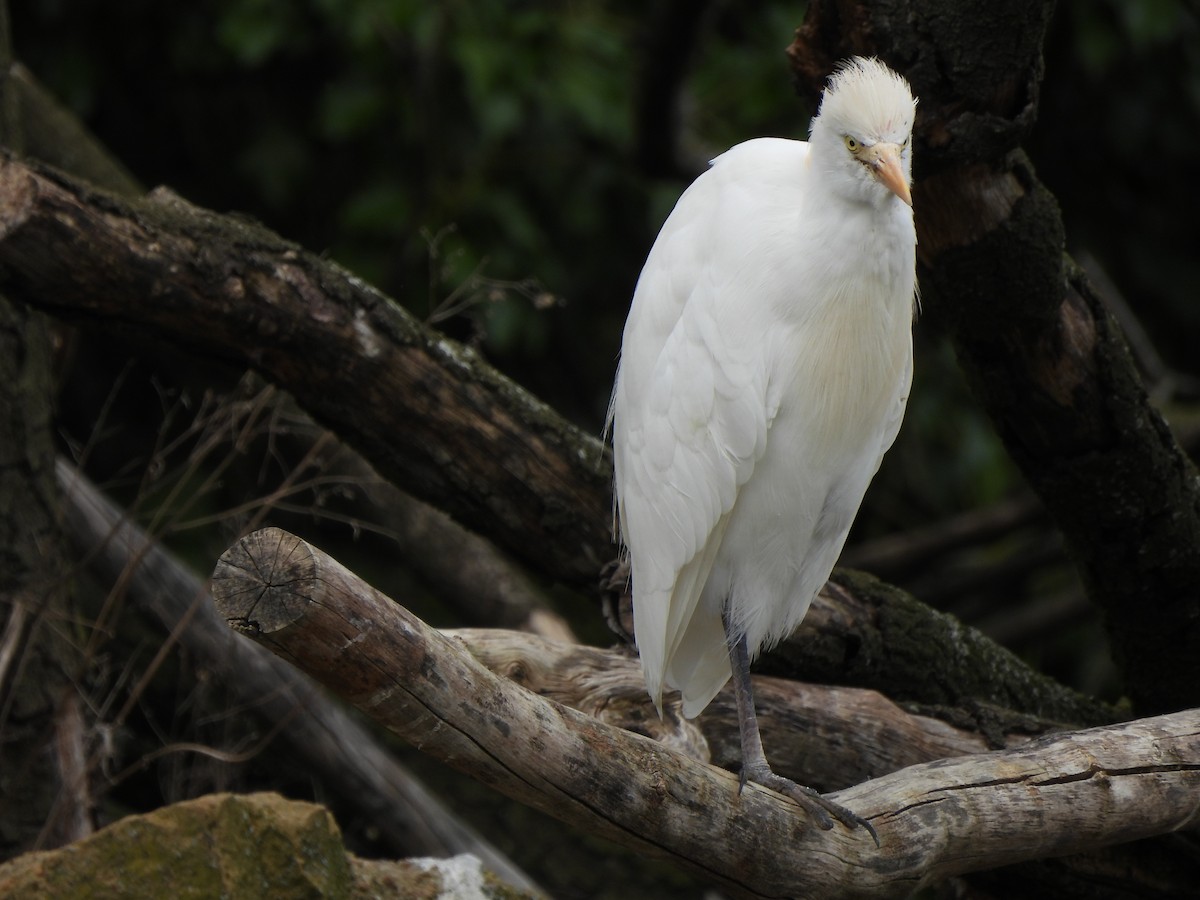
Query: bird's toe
point(820, 809)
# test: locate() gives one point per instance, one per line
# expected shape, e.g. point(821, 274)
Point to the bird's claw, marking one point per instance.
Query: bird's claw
point(819, 808)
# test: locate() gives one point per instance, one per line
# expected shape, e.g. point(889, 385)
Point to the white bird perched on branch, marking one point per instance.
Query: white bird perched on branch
point(765, 367)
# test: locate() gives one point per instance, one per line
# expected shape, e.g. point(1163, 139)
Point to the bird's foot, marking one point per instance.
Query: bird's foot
point(822, 810)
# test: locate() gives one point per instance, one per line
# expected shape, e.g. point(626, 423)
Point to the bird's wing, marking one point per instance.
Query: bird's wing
point(691, 417)
point(687, 442)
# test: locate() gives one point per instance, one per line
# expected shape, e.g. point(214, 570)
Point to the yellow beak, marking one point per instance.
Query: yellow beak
point(884, 161)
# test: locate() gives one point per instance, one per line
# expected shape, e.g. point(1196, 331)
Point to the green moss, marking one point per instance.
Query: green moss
point(221, 845)
point(233, 846)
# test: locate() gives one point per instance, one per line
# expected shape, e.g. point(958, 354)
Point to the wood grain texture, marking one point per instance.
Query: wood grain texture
point(823, 736)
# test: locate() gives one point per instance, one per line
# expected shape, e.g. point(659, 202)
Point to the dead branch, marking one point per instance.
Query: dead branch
point(863, 632)
point(897, 556)
point(73, 813)
point(454, 561)
point(427, 412)
point(333, 743)
point(1058, 795)
point(55, 134)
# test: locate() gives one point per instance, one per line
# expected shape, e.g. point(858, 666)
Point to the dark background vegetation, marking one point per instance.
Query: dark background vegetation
point(492, 167)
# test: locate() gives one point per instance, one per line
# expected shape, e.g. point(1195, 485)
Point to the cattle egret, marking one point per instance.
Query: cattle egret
point(764, 371)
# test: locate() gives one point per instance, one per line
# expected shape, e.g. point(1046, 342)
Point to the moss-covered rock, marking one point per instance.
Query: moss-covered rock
point(233, 846)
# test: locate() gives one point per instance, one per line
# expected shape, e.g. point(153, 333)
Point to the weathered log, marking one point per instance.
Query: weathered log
point(465, 571)
point(462, 437)
point(320, 732)
point(1057, 795)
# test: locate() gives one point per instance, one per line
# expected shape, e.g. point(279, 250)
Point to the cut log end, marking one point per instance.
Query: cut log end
point(262, 583)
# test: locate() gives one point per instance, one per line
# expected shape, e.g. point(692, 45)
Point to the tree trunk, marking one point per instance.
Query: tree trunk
point(1043, 355)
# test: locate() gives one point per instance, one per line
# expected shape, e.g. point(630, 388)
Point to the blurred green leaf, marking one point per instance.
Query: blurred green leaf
point(382, 208)
point(349, 108)
point(252, 30)
point(279, 163)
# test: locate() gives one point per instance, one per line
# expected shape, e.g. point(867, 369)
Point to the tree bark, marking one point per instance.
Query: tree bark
point(429, 414)
point(864, 632)
point(49, 804)
point(454, 561)
point(1060, 794)
point(1044, 356)
point(54, 135)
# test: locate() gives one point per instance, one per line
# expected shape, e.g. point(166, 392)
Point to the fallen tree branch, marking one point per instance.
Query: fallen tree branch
point(456, 562)
point(1058, 795)
point(465, 571)
point(428, 413)
point(899, 556)
point(331, 742)
point(865, 632)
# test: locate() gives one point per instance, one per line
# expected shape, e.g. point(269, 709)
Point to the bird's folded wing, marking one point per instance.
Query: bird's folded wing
point(691, 401)
point(693, 424)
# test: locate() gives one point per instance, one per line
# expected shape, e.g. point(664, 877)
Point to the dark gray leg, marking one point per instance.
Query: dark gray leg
point(754, 759)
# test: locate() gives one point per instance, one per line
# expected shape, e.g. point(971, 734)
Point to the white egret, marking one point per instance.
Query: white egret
point(765, 367)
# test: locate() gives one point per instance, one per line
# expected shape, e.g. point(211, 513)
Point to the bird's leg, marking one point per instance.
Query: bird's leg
point(754, 759)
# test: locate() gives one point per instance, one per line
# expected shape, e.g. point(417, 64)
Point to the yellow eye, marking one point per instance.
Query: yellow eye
point(851, 144)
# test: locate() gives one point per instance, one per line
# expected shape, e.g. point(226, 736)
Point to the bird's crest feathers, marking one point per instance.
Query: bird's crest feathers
point(867, 98)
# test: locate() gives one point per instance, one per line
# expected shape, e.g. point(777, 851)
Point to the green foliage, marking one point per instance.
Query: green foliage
point(254, 30)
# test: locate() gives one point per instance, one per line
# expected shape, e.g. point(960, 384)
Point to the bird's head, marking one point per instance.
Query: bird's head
point(862, 133)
